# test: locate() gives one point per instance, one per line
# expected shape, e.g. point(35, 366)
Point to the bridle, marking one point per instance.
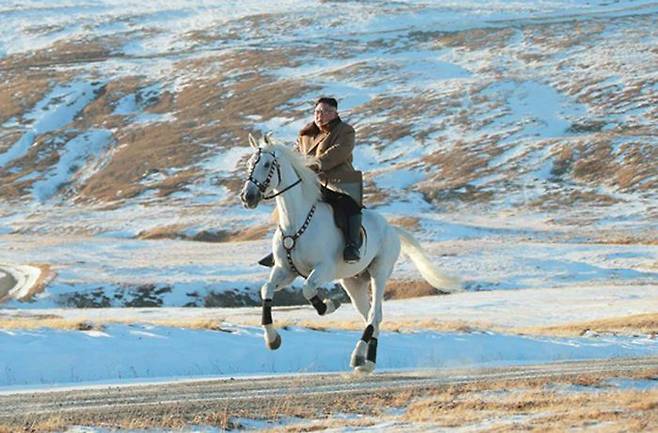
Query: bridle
point(262, 186)
point(288, 241)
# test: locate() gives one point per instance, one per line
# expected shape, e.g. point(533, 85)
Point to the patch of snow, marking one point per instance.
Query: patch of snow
point(53, 112)
point(25, 276)
point(399, 179)
point(535, 107)
point(72, 158)
point(635, 384)
point(284, 130)
point(226, 163)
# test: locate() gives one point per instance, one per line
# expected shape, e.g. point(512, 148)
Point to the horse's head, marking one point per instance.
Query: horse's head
point(263, 170)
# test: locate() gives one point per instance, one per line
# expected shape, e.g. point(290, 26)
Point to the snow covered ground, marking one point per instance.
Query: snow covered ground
point(162, 26)
point(529, 108)
point(185, 273)
point(125, 347)
point(140, 352)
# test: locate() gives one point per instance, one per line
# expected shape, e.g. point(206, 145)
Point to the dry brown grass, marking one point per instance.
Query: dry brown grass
point(171, 419)
point(250, 234)
point(648, 238)
point(226, 85)
point(407, 222)
point(459, 165)
point(640, 324)
point(50, 323)
point(405, 289)
point(322, 425)
point(47, 274)
point(537, 404)
point(643, 324)
point(389, 326)
point(21, 91)
point(530, 406)
point(55, 322)
point(372, 195)
point(474, 39)
point(209, 112)
point(173, 231)
point(72, 51)
point(177, 231)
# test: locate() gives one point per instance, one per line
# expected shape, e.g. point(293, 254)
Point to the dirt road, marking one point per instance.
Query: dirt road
point(268, 397)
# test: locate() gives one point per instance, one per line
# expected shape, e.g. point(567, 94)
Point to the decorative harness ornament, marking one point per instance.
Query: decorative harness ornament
point(289, 241)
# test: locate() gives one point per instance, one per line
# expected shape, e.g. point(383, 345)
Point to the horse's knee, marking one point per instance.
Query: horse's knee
point(309, 291)
point(267, 291)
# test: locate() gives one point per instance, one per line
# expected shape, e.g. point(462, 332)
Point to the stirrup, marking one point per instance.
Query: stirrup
point(267, 261)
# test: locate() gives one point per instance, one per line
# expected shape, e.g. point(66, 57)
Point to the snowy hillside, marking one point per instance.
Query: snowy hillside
point(524, 107)
point(516, 140)
point(502, 122)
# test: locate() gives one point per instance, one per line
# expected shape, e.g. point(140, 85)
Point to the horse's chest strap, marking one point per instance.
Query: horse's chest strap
point(289, 241)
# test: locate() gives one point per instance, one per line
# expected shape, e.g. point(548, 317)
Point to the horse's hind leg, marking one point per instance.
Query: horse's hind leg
point(357, 288)
point(380, 270)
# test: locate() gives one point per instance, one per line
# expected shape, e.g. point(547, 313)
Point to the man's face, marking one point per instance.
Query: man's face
point(324, 113)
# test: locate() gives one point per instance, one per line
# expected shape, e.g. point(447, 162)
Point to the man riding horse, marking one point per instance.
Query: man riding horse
point(331, 141)
point(307, 243)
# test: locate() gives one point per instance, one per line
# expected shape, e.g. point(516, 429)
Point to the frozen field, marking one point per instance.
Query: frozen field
point(516, 140)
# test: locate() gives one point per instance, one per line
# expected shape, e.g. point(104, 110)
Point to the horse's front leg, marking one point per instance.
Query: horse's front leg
point(364, 357)
point(323, 273)
point(279, 277)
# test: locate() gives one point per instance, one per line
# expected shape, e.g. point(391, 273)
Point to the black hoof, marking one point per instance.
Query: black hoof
point(319, 306)
point(273, 345)
point(367, 367)
point(357, 361)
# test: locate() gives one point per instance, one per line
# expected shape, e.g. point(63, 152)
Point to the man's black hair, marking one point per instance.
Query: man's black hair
point(328, 101)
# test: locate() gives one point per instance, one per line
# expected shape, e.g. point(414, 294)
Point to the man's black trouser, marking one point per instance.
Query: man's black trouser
point(351, 226)
point(340, 201)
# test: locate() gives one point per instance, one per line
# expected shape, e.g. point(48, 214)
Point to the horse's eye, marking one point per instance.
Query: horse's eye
point(267, 165)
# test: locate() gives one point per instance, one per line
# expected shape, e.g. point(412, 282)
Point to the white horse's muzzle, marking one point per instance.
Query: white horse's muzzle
point(250, 195)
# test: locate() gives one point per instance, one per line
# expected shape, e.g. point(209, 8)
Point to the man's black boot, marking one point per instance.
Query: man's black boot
point(352, 239)
point(267, 261)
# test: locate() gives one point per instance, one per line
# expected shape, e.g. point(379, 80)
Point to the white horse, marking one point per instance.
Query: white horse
point(308, 244)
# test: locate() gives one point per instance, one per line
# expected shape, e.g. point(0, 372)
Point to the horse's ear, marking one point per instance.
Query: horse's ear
point(252, 141)
point(268, 138)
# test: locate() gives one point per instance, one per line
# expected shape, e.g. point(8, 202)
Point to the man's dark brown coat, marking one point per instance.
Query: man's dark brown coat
point(333, 151)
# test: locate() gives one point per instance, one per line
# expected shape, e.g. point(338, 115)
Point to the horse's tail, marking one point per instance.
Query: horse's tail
point(412, 249)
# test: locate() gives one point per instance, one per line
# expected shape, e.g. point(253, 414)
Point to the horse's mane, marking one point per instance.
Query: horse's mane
point(299, 162)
